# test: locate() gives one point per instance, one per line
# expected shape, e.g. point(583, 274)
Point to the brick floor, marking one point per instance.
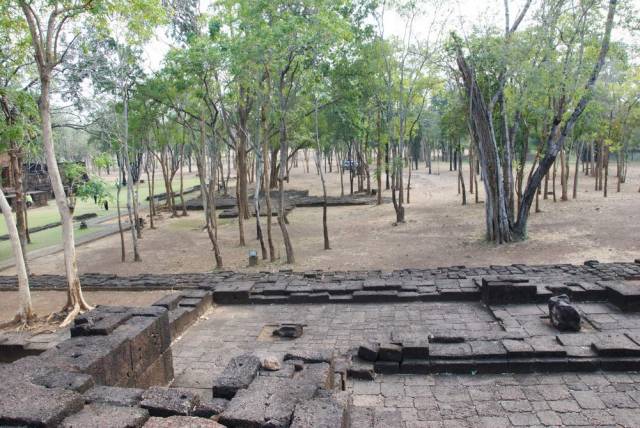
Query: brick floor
point(565, 399)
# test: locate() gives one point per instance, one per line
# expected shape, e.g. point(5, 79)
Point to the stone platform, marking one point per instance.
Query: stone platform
point(452, 346)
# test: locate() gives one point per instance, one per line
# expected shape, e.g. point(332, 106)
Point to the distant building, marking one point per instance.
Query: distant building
point(35, 182)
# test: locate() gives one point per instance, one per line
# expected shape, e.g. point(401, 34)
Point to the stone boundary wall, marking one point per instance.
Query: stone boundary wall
point(182, 309)
point(590, 270)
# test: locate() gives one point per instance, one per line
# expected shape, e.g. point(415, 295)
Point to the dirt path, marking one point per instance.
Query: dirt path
point(438, 232)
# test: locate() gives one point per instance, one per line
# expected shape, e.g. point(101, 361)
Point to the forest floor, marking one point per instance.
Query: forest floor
point(438, 232)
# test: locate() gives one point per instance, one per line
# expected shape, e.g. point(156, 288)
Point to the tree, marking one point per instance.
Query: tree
point(47, 24)
point(501, 222)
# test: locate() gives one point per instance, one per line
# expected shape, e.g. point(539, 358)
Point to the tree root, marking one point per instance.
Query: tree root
point(73, 312)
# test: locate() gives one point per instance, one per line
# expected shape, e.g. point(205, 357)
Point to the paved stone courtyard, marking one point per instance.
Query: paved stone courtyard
point(494, 401)
point(235, 329)
point(438, 400)
point(414, 348)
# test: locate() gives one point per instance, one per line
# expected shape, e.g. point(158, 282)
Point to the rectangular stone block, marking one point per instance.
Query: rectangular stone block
point(624, 294)
point(98, 323)
point(361, 369)
point(546, 346)
point(26, 404)
point(166, 402)
point(107, 415)
point(310, 355)
point(238, 374)
point(491, 365)
point(495, 291)
point(180, 319)
point(124, 397)
point(615, 345)
point(415, 350)
point(518, 348)
point(386, 367)
point(374, 296)
point(450, 350)
point(390, 352)
point(170, 301)
point(414, 366)
point(369, 351)
point(159, 373)
point(458, 366)
point(319, 413)
point(269, 401)
point(483, 349)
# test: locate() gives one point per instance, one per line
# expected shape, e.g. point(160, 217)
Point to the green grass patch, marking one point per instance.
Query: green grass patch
point(43, 239)
point(49, 214)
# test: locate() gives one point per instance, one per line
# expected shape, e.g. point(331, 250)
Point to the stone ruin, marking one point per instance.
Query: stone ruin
point(116, 366)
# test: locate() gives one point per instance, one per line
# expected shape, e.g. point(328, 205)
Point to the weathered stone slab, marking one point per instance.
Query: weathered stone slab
point(310, 356)
point(386, 367)
point(180, 319)
point(415, 349)
point(414, 366)
point(361, 369)
point(482, 349)
point(52, 377)
point(624, 294)
point(169, 401)
point(319, 413)
point(113, 395)
point(209, 408)
point(500, 291)
point(182, 422)
point(546, 346)
point(25, 404)
point(268, 402)
point(615, 345)
point(387, 418)
point(98, 322)
point(450, 350)
point(238, 374)
point(101, 415)
point(170, 301)
point(369, 351)
point(369, 417)
point(390, 352)
point(518, 348)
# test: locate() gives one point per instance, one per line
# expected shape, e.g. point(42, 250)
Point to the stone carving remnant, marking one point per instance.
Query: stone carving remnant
point(564, 316)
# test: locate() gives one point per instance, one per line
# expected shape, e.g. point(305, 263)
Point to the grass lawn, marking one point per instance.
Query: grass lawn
point(49, 214)
point(43, 239)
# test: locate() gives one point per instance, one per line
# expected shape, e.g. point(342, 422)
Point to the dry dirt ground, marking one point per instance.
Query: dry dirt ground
point(45, 302)
point(438, 232)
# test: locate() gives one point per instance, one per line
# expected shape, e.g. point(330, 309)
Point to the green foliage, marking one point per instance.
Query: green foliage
point(94, 189)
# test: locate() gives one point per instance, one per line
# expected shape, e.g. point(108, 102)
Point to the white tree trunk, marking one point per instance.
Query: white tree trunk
point(25, 311)
point(75, 300)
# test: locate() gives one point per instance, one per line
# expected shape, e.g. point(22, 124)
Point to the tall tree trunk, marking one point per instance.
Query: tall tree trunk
point(15, 172)
point(25, 310)
point(208, 190)
point(283, 168)
point(606, 170)
point(575, 173)
point(379, 161)
point(325, 228)
point(266, 153)
point(184, 204)
point(133, 219)
point(239, 204)
point(461, 177)
point(123, 256)
point(75, 299)
point(152, 212)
